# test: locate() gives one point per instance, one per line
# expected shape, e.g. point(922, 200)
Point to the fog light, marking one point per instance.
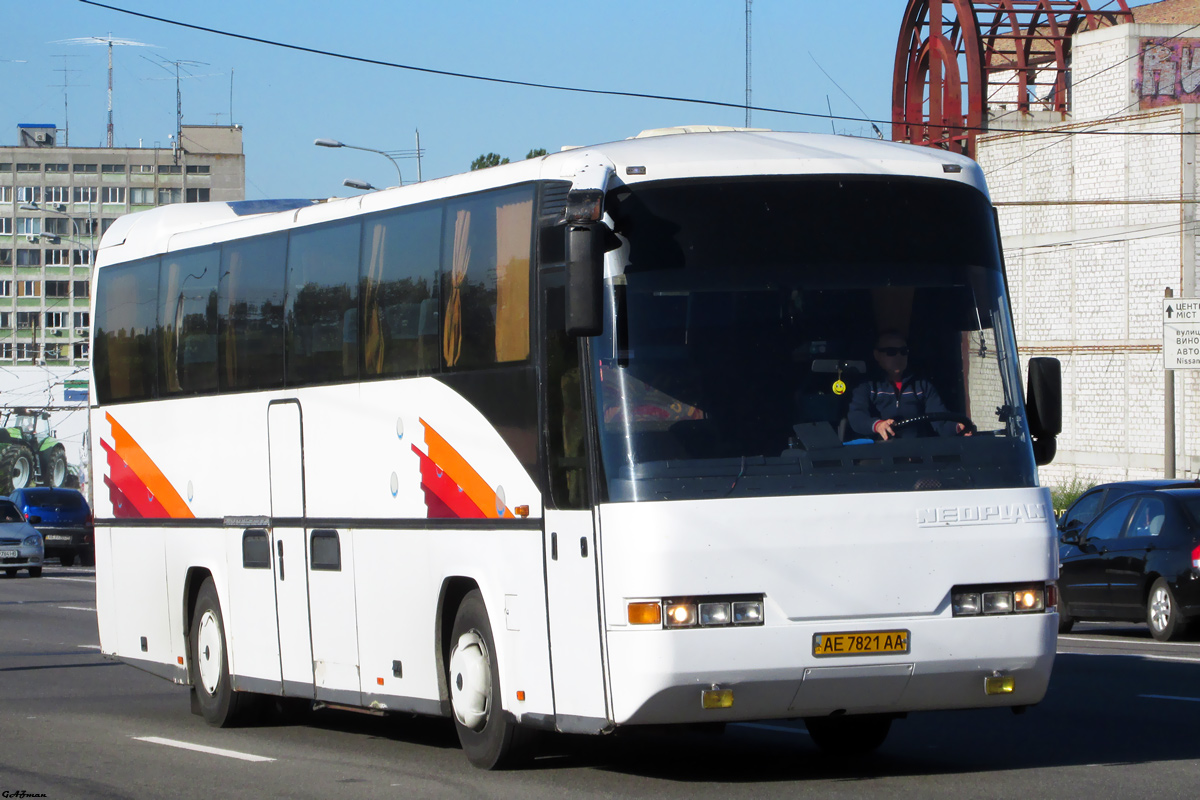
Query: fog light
point(965, 604)
point(748, 612)
point(644, 613)
point(716, 698)
point(999, 684)
point(1029, 600)
point(997, 602)
point(714, 613)
point(681, 615)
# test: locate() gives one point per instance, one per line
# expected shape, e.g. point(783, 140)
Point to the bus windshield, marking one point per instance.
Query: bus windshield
point(741, 352)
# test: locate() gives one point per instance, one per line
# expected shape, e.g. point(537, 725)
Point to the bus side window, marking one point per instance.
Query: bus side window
point(322, 304)
point(486, 256)
point(400, 252)
point(125, 361)
point(250, 301)
point(187, 322)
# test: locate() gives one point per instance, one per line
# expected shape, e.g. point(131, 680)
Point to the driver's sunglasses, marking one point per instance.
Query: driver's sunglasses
point(892, 351)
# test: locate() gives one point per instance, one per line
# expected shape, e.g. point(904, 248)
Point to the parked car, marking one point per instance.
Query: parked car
point(20, 544)
point(1090, 503)
point(1137, 560)
point(64, 519)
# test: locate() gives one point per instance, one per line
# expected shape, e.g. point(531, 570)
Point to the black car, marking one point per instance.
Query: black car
point(1137, 560)
point(64, 519)
point(1089, 504)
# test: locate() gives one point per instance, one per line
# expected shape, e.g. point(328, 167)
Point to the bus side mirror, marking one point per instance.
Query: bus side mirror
point(585, 278)
point(1043, 405)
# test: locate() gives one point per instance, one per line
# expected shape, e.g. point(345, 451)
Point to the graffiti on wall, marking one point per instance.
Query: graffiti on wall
point(1168, 72)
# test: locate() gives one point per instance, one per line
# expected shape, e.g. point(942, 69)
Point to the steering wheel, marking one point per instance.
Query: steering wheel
point(937, 416)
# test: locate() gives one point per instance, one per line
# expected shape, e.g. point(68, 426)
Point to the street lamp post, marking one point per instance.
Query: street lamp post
point(336, 143)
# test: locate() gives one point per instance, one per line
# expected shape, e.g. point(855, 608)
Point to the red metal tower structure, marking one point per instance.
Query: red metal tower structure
point(956, 58)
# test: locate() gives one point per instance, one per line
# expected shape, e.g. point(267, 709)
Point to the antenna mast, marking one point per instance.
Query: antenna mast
point(748, 2)
point(109, 41)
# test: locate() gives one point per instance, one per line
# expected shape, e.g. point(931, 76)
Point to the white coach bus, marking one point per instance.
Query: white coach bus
point(569, 445)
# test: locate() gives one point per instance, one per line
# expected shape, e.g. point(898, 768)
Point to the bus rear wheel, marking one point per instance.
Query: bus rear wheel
point(490, 737)
point(849, 736)
point(218, 703)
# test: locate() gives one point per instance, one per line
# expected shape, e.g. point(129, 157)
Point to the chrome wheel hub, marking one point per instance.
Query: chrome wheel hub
point(209, 653)
point(1160, 609)
point(470, 681)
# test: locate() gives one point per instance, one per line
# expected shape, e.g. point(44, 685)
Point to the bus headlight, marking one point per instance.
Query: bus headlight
point(993, 600)
point(692, 612)
point(681, 615)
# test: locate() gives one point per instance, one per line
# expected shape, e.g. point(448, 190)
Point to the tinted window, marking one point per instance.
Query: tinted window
point(124, 353)
point(322, 311)
point(401, 252)
point(63, 501)
point(1084, 511)
point(487, 243)
point(9, 513)
point(250, 301)
point(188, 322)
point(1148, 518)
point(1109, 524)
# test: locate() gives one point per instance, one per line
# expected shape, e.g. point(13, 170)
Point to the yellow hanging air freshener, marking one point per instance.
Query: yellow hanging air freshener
point(839, 386)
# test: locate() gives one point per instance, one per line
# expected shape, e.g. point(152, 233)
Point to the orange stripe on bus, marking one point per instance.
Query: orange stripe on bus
point(149, 473)
point(462, 473)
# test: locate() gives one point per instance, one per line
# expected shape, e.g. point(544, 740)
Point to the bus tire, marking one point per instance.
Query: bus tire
point(218, 703)
point(849, 736)
point(490, 736)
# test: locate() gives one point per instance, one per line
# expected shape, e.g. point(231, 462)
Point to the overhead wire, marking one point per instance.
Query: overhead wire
point(563, 88)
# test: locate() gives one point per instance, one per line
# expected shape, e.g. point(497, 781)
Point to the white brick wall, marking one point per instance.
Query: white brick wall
point(1092, 233)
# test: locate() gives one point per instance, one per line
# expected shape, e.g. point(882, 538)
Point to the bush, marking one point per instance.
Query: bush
point(1064, 494)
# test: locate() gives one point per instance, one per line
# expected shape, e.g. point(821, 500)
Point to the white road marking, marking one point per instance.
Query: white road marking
point(1151, 656)
point(78, 608)
point(1113, 640)
point(777, 728)
point(1169, 697)
point(71, 580)
point(89, 646)
point(199, 748)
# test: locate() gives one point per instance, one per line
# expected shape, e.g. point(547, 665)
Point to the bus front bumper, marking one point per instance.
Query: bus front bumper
point(660, 676)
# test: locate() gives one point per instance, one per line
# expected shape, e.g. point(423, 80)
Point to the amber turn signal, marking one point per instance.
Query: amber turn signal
point(645, 613)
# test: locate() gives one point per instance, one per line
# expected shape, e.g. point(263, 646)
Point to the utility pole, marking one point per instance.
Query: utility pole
point(1169, 415)
point(748, 2)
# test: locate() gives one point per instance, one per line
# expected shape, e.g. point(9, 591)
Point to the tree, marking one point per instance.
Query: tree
point(488, 160)
point(535, 153)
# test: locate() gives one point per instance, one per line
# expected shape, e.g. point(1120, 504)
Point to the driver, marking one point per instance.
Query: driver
point(878, 406)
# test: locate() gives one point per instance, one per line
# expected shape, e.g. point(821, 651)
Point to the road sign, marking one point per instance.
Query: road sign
point(1181, 333)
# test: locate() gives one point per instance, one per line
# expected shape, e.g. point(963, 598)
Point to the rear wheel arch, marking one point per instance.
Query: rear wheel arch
point(191, 590)
point(454, 589)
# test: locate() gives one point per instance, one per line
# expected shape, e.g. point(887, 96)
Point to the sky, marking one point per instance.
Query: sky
point(806, 56)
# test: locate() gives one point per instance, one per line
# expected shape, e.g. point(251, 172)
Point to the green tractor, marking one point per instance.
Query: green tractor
point(29, 453)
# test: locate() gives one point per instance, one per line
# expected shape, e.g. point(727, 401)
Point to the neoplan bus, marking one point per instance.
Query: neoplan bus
point(562, 446)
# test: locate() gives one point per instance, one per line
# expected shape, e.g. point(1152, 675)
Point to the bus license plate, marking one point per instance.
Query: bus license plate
point(9, 554)
point(861, 643)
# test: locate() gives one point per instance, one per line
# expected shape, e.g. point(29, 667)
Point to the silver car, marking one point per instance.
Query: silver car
point(20, 545)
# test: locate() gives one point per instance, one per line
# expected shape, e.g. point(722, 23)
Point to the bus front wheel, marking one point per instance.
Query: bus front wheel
point(849, 736)
point(218, 703)
point(490, 736)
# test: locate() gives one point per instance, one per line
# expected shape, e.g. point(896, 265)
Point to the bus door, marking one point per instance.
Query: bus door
point(571, 557)
point(286, 445)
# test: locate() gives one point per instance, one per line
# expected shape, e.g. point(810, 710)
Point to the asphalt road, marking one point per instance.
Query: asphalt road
point(1120, 720)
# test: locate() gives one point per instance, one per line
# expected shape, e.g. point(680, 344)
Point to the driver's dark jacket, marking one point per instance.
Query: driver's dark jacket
point(878, 399)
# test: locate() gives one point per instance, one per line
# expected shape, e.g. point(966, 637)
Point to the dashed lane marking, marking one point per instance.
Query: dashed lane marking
point(199, 748)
